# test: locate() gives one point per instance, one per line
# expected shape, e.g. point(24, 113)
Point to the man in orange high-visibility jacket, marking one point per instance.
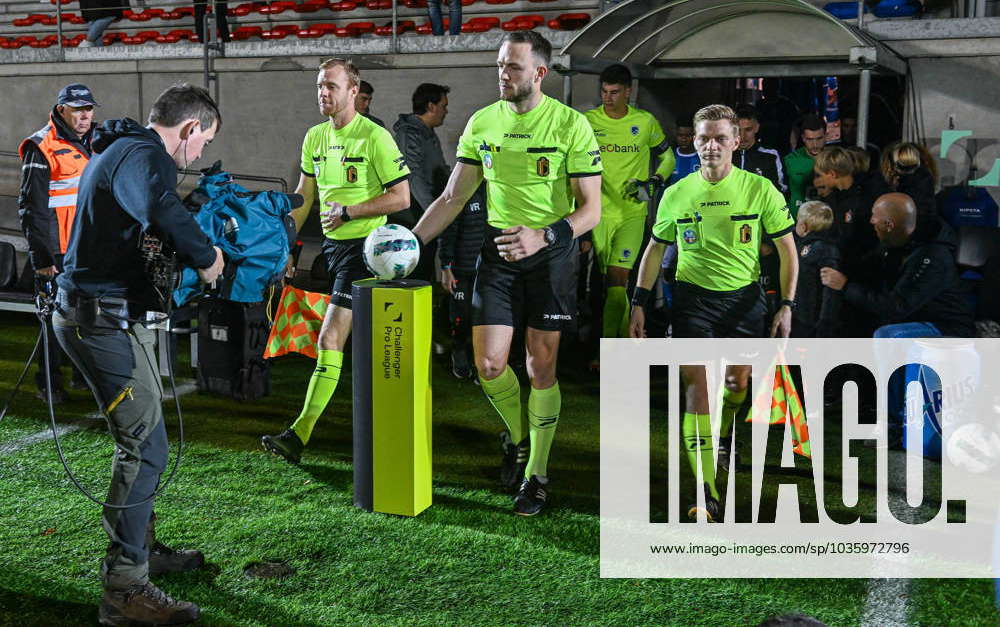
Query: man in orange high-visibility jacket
point(53, 160)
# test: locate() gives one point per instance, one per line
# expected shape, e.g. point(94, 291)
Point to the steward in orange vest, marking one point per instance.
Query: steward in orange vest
point(53, 160)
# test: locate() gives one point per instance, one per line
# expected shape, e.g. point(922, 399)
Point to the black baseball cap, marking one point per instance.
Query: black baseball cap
point(76, 95)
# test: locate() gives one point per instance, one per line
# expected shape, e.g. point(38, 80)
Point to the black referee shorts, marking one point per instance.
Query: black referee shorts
point(346, 264)
point(539, 290)
point(698, 312)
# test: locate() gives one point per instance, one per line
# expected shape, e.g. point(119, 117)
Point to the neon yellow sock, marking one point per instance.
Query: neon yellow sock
point(697, 430)
point(504, 393)
point(615, 309)
point(731, 402)
point(322, 383)
point(543, 417)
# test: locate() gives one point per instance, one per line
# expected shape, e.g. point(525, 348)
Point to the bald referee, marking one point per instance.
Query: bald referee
point(717, 216)
point(540, 159)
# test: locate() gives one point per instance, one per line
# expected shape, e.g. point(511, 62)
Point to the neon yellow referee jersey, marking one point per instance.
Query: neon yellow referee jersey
point(352, 165)
point(528, 159)
point(718, 227)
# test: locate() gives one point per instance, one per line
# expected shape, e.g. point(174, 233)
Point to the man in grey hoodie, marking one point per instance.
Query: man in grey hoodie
point(422, 150)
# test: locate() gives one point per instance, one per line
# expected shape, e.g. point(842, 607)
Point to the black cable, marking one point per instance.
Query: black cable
point(44, 310)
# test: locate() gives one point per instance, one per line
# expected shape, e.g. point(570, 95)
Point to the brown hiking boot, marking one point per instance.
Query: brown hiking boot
point(144, 604)
point(163, 559)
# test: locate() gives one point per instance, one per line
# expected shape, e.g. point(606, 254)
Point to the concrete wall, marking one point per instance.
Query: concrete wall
point(265, 113)
point(957, 90)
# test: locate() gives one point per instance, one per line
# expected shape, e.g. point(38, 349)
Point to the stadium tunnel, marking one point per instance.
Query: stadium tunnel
point(712, 39)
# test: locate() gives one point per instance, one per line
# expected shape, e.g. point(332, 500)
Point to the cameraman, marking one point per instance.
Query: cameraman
point(128, 190)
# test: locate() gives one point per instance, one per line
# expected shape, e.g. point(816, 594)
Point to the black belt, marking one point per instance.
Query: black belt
point(101, 312)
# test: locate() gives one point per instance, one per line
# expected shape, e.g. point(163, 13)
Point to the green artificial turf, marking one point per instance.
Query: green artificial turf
point(465, 561)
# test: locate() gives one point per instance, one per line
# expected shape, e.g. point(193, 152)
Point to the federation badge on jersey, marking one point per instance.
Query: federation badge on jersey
point(635, 129)
point(690, 236)
point(487, 160)
point(352, 174)
point(746, 234)
point(542, 166)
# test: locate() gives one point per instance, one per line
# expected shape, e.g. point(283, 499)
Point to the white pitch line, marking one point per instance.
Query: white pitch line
point(887, 603)
point(61, 430)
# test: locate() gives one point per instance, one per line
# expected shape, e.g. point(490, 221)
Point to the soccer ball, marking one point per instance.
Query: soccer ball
point(391, 252)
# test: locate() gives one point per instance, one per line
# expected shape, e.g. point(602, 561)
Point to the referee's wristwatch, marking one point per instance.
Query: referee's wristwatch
point(549, 234)
point(791, 304)
point(344, 216)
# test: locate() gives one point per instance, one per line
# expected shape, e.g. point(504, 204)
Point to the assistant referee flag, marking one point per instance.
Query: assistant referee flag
point(296, 323)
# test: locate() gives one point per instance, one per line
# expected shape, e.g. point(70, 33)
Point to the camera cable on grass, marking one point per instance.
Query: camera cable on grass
point(45, 304)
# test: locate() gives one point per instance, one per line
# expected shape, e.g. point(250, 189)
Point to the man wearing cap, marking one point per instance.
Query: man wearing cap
point(53, 160)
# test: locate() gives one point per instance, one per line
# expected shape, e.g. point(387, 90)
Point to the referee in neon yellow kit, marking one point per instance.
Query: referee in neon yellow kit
point(543, 172)
point(717, 216)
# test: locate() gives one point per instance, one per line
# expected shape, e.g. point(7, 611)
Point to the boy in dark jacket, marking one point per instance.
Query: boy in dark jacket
point(459, 253)
point(818, 307)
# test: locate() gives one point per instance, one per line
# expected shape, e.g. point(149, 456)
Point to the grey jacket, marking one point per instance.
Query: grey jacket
point(429, 171)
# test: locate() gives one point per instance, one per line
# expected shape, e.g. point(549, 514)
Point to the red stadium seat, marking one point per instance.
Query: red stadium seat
point(60, 1)
point(523, 22)
point(147, 35)
point(132, 16)
point(490, 22)
point(154, 12)
point(307, 7)
point(327, 28)
point(344, 5)
point(246, 32)
point(289, 29)
point(309, 33)
point(474, 27)
point(10, 45)
point(378, 5)
point(402, 26)
point(23, 21)
point(361, 28)
point(425, 29)
point(168, 39)
point(273, 34)
point(40, 43)
point(569, 21)
point(500, 1)
point(415, 4)
point(50, 20)
point(183, 33)
point(172, 15)
point(24, 40)
point(189, 11)
point(277, 7)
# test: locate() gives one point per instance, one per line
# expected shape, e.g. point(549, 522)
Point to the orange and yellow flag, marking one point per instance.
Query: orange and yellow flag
point(296, 323)
point(787, 404)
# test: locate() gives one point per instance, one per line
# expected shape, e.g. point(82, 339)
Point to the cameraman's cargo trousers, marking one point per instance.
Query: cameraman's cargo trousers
point(119, 366)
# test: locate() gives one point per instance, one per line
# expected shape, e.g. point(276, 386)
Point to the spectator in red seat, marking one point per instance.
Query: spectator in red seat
point(454, 16)
point(221, 8)
point(100, 14)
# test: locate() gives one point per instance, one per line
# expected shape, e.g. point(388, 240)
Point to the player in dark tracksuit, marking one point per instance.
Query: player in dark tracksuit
point(459, 247)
